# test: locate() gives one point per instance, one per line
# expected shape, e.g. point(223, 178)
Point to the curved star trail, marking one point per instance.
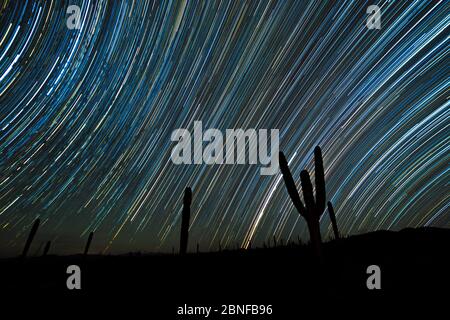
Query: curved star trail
point(86, 118)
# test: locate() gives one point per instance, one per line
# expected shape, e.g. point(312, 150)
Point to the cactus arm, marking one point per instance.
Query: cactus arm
point(333, 220)
point(46, 248)
point(290, 185)
point(308, 195)
point(88, 243)
point(30, 238)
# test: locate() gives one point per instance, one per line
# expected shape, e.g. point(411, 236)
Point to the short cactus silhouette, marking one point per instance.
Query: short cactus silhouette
point(333, 220)
point(186, 215)
point(30, 237)
point(88, 243)
point(46, 248)
point(314, 207)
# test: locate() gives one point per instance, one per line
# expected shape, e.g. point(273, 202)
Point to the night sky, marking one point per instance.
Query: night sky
point(87, 115)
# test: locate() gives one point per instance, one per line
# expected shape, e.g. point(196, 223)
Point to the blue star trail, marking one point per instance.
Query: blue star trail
point(86, 118)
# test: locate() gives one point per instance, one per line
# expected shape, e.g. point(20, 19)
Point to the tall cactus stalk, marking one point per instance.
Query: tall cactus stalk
point(333, 220)
point(186, 215)
point(30, 237)
point(313, 208)
point(46, 248)
point(88, 243)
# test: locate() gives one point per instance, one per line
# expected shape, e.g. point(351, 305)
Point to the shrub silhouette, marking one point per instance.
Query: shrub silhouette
point(46, 248)
point(313, 208)
point(30, 237)
point(88, 243)
point(184, 234)
point(333, 220)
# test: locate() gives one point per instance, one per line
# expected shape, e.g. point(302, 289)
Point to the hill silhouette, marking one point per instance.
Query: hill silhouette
point(412, 262)
point(410, 259)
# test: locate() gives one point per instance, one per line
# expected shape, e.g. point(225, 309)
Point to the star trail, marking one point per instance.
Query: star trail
point(87, 115)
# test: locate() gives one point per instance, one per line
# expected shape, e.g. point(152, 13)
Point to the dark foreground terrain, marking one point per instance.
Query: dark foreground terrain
point(413, 262)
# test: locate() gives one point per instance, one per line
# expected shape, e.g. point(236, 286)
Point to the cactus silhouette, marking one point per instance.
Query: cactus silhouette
point(313, 208)
point(46, 248)
point(88, 243)
point(333, 220)
point(184, 234)
point(30, 238)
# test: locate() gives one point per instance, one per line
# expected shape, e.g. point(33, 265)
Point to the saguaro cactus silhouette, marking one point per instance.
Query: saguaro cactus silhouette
point(30, 237)
point(46, 248)
point(184, 234)
point(313, 208)
point(333, 220)
point(88, 243)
